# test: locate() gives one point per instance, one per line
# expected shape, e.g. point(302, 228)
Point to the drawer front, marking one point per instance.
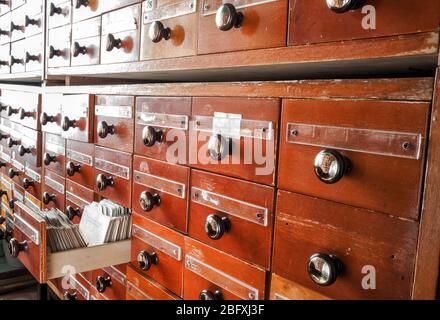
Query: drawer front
point(263, 25)
point(111, 282)
point(29, 150)
point(77, 197)
point(224, 217)
point(368, 143)
point(364, 244)
point(113, 171)
point(83, 10)
point(114, 122)
point(11, 108)
point(79, 164)
point(59, 13)
point(72, 287)
point(178, 20)
point(160, 124)
point(86, 42)
point(121, 35)
point(15, 136)
point(7, 184)
point(157, 252)
point(77, 117)
point(5, 51)
point(16, 171)
point(5, 28)
point(30, 110)
point(5, 159)
point(53, 191)
point(313, 21)
point(5, 8)
point(54, 154)
point(33, 53)
point(18, 28)
point(160, 192)
point(32, 183)
point(143, 288)
point(34, 17)
point(58, 51)
point(209, 272)
point(50, 118)
point(227, 128)
point(18, 56)
point(17, 3)
point(283, 289)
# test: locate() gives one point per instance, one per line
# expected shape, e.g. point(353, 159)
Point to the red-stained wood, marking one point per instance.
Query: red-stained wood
point(78, 196)
point(31, 140)
point(55, 146)
point(79, 108)
point(97, 7)
point(82, 154)
point(66, 285)
point(283, 289)
point(35, 178)
point(117, 290)
point(59, 201)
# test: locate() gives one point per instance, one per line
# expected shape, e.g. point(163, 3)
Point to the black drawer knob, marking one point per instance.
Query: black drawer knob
point(102, 182)
point(5, 234)
point(219, 147)
point(48, 159)
point(4, 32)
point(55, 10)
point(15, 247)
point(15, 27)
point(13, 173)
point(11, 142)
point(68, 296)
point(2, 164)
point(146, 260)
point(78, 49)
point(22, 150)
point(148, 201)
point(29, 21)
point(66, 123)
point(104, 129)
point(27, 183)
point(324, 269)
point(157, 32)
point(4, 63)
point(23, 114)
point(15, 61)
point(3, 107)
point(79, 3)
point(113, 43)
point(227, 17)
point(31, 57)
point(3, 136)
point(3, 193)
point(48, 198)
point(54, 52)
point(103, 283)
point(2, 220)
point(341, 6)
point(45, 118)
point(330, 166)
point(150, 136)
point(216, 226)
point(209, 295)
point(72, 168)
point(11, 111)
point(72, 212)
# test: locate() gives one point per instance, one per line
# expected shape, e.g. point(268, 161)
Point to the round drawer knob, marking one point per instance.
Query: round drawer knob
point(324, 269)
point(45, 118)
point(22, 150)
point(3, 136)
point(157, 32)
point(48, 198)
point(113, 43)
point(15, 27)
point(3, 193)
point(48, 159)
point(146, 260)
point(215, 226)
point(5, 234)
point(31, 57)
point(29, 21)
point(78, 49)
point(27, 183)
point(15, 247)
point(103, 283)
point(148, 201)
point(2, 164)
point(227, 17)
point(104, 129)
point(219, 147)
point(11, 142)
point(102, 182)
point(55, 10)
point(150, 136)
point(15, 60)
point(13, 173)
point(341, 6)
point(69, 296)
point(209, 295)
point(330, 166)
point(24, 114)
point(79, 3)
point(3, 107)
point(4, 63)
point(11, 111)
point(54, 52)
point(66, 123)
point(4, 32)
point(72, 168)
point(72, 212)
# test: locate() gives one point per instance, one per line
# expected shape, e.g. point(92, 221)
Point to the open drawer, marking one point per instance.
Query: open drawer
point(29, 246)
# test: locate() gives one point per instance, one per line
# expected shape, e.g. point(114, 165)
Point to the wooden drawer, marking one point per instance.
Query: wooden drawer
point(160, 124)
point(113, 175)
point(18, 56)
point(157, 252)
point(30, 109)
point(30, 233)
point(77, 117)
point(15, 136)
point(121, 35)
point(58, 50)
point(34, 17)
point(54, 153)
point(5, 51)
point(311, 21)
point(160, 192)
point(372, 142)
point(16, 171)
point(59, 13)
point(283, 289)
point(212, 274)
point(5, 28)
point(226, 130)
point(114, 122)
point(71, 287)
point(140, 287)
point(79, 164)
point(169, 29)
point(364, 244)
point(54, 187)
point(33, 54)
point(111, 282)
point(5, 129)
point(223, 216)
point(50, 118)
point(5, 8)
point(86, 42)
point(83, 10)
point(77, 197)
point(263, 25)
point(5, 159)
point(32, 182)
point(29, 150)
point(17, 3)
point(18, 26)
point(7, 184)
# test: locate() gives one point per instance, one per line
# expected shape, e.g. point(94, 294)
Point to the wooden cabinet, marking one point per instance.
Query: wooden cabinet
point(77, 117)
point(283, 289)
point(79, 164)
point(58, 49)
point(54, 153)
point(83, 10)
point(51, 110)
point(86, 42)
point(34, 18)
point(77, 197)
point(71, 287)
point(18, 56)
point(34, 53)
point(18, 24)
point(110, 282)
point(59, 13)
point(54, 187)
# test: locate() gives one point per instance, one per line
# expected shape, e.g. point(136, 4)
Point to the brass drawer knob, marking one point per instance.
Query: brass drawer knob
point(324, 269)
point(216, 226)
point(341, 6)
point(146, 260)
point(102, 283)
point(72, 168)
point(148, 201)
point(330, 166)
point(157, 32)
point(227, 17)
